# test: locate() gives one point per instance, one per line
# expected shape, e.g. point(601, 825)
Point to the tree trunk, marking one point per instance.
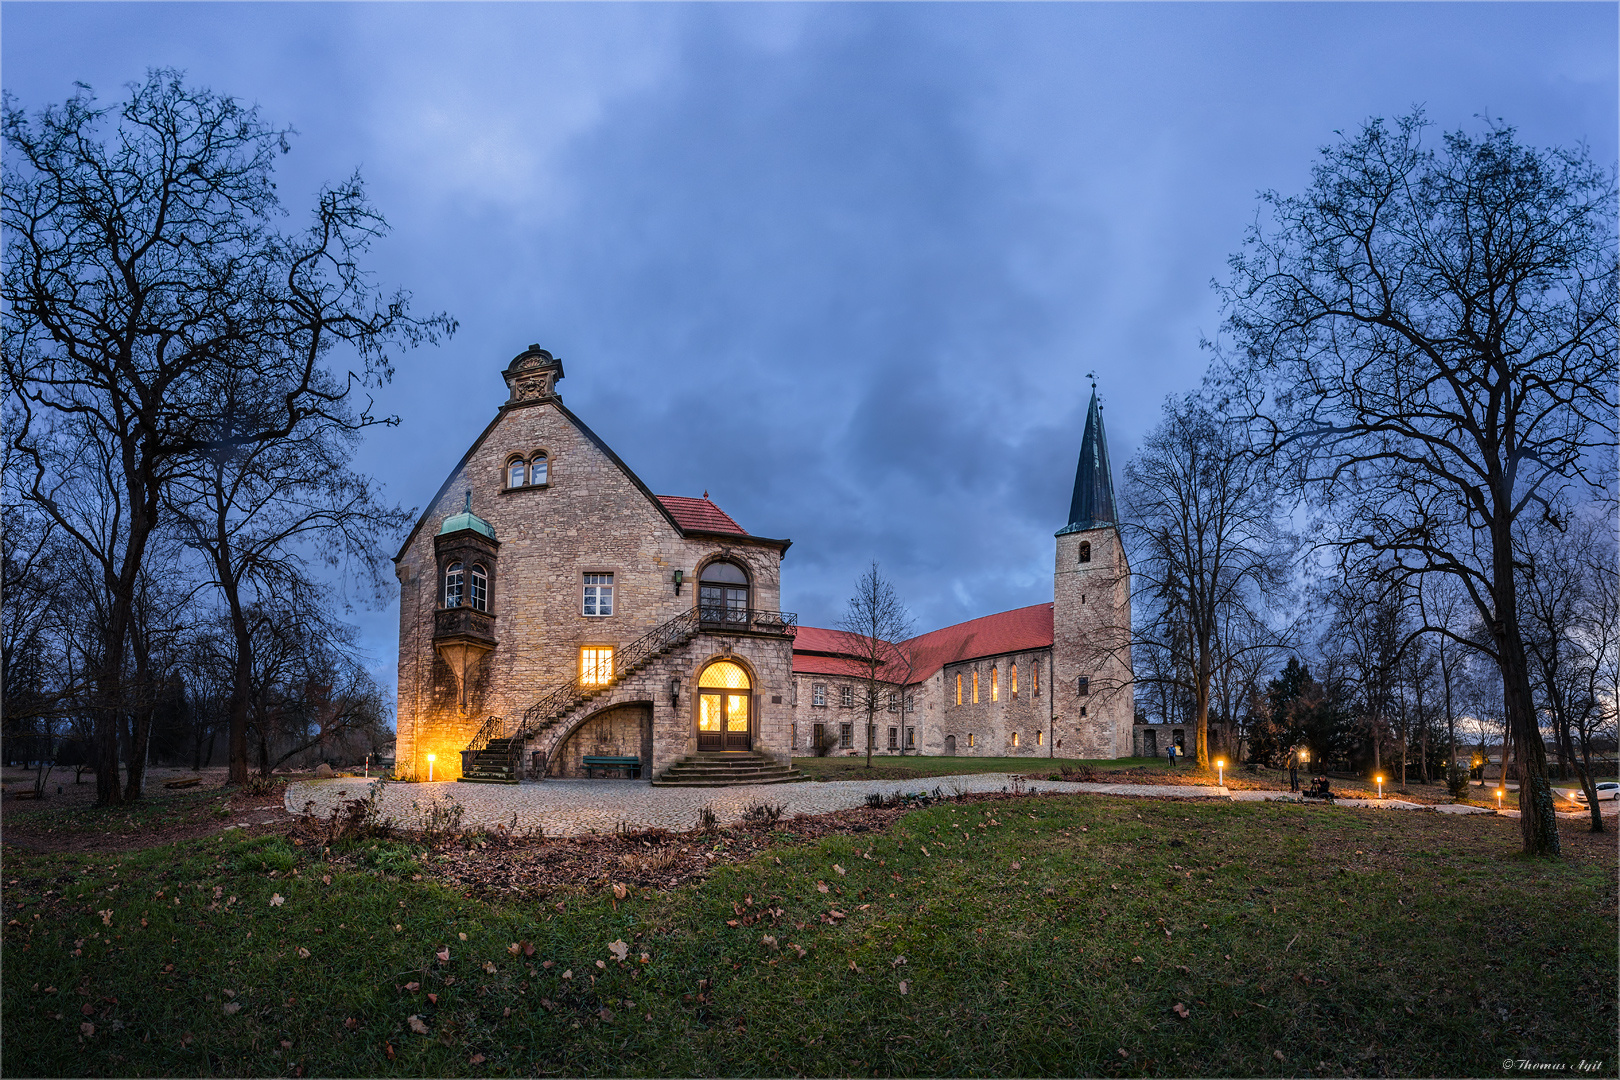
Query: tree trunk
point(1538, 824)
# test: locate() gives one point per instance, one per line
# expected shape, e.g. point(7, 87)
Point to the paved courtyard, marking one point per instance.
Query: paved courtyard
point(576, 807)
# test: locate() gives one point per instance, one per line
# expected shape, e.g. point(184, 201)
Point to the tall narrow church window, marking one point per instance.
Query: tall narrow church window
point(975, 686)
point(1015, 738)
point(1012, 677)
point(598, 594)
point(480, 588)
point(995, 685)
point(596, 666)
point(1038, 737)
point(970, 738)
point(452, 585)
point(959, 689)
point(1035, 680)
point(1084, 685)
point(539, 473)
point(1085, 551)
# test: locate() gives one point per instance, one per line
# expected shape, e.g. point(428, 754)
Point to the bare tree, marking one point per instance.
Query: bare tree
point(142, 273)
point(876, 626)
point(1425, 340)
point(1209, 545)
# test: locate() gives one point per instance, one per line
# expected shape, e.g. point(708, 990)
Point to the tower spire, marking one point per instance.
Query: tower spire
point(1093, 502)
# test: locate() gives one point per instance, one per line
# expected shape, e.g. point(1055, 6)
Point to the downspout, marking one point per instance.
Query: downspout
point(1051, 706)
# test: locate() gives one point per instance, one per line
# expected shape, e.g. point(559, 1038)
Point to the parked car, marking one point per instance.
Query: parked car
point(1608, 789)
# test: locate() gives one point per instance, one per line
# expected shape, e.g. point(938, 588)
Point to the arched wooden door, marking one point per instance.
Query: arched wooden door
point(725, 705)
point(950, 746)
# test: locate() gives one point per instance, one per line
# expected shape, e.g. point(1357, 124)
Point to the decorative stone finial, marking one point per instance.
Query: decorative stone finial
point(532, 377)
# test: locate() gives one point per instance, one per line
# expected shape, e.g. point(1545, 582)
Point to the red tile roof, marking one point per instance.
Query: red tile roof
point(993, 635)
point(699, 515)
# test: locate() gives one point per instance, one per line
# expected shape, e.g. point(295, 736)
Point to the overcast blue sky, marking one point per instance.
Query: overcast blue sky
point(843, 266)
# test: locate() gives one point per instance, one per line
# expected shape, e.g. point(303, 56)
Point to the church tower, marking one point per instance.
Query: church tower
point(1092, 701)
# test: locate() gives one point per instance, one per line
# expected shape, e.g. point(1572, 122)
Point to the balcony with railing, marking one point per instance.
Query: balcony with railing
point(726, 619)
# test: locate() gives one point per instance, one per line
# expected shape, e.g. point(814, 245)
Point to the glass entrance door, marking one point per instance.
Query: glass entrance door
point(725, 706)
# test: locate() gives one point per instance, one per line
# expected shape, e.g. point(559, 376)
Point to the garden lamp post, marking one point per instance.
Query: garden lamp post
point(1498, 799)
point(1220, 763)
point(430, 768)
point(1380, 780)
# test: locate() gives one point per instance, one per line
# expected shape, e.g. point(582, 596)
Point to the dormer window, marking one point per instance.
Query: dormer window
point(1085, 551)
point(480, 588)
point(453, 578)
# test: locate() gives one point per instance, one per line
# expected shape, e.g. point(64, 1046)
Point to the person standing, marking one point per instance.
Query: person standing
point(1293, 770)
point(1170, 752)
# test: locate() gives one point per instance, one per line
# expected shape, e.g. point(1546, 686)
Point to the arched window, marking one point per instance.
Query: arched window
point(975, 686)
point(480, 588)
point(1085, 551)
point(1012, 677)
point(723, 707)
point(723, 594)
point(452, 585)
point(516, 471)
point(995, 685)
point(1035, 679)
point(539, 471)
point(959, 689)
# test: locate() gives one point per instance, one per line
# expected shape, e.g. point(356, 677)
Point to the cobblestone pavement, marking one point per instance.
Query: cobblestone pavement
point(576, 807)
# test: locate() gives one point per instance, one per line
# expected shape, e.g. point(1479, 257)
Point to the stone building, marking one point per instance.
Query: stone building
point(1052, 680)
point(551, 603)
point(552, 608)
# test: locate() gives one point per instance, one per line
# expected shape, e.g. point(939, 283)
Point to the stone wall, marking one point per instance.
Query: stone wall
point(1091, 618)
point(619, 731)
point(987, 729)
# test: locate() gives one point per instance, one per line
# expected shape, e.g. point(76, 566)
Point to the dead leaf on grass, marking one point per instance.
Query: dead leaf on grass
point(232, 1008)
point(905, 987)
point(418, 1025)
point(87, 1029)
point(489, 966)
point(413, 987)
point(443, 954)
point(351, 1023)
point(840, 869)
point(303, 953)
point(1181, 1010)
point(276, 899)
point(476, 1059)
point(619, 950)
point(821, 886)
point(514, 948)
point(1278, 1055)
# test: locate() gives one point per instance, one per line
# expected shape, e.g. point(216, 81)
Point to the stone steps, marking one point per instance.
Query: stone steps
point(496, 763)
point(727, 768)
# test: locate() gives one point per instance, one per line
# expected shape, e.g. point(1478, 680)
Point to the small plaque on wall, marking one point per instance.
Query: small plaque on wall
point(776, 699)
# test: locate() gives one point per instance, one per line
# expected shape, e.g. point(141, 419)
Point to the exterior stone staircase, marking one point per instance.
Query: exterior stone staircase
point(495, 763)
point(724, 768)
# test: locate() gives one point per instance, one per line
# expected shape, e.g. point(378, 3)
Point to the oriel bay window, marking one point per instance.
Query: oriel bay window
point(723, 594)
point(480, 588)
point(454, 579)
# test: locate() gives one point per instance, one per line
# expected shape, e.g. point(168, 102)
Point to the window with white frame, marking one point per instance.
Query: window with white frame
point(480, 588)
point(818, 695)
point(846, 696)
point(454, 577)
point(540, 470)
point(598, 594)
point(894, 701)
point(596, 665)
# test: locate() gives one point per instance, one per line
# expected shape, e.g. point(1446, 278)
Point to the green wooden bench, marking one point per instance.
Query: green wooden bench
point(631, 765)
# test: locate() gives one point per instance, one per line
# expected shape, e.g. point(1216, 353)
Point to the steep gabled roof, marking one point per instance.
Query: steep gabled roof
point(817, 651)
point(700, 515)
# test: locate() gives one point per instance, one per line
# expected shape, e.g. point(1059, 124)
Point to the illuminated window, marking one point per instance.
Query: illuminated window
point(453, 585)
point(970, 738)
point(1039, 735)
point(595, 666)
point(818, 696)
point(1035, 679)
point(959, 689)
point(995, 685)
point(975, 686)
point(1015, 738)
point(1085, 685)
point(539, 470)
point(480, 588)
point(1012, 677)
point(846, 697)
point(598, 594)
point(1085, 551)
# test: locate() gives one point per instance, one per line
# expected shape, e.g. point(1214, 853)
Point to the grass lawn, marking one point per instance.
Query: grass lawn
point(1047, 935)
point(906, 767)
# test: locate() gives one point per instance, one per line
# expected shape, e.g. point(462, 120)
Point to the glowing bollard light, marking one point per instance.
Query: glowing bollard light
point(1380, 787)
point(430, 768)
point(1499, 799)
point(1220, 764)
